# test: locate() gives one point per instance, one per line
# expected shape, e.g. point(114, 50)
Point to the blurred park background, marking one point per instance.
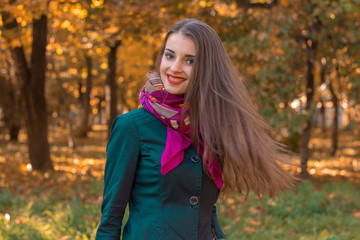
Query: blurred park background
point(68, 67)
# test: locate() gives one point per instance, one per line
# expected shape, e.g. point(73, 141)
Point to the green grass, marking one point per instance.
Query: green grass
point(51, 217)
point(328, 212)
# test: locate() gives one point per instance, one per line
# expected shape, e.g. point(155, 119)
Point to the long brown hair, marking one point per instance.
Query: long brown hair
point(231, 128)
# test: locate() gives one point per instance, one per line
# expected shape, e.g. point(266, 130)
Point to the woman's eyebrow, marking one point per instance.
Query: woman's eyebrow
point(170, 50)
point(186, 55)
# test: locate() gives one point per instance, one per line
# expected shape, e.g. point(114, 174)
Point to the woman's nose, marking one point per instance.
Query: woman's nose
point(176, 66)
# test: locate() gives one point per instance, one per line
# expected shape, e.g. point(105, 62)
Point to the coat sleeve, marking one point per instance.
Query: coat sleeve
point(121, 162)
point(216, 226)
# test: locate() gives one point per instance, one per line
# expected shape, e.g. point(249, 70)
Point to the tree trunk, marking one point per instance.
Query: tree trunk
point(111, 86)
point(10, 104)
point(99, 108)
point(67, 115)
point(304, 152)
point(14, 130)
point(335, 127)
point(34, 93)
point(323, 116)
point(32, 85)
point(85, 126)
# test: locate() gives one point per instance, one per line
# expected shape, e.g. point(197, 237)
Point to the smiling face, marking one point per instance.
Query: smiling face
point(176, 63)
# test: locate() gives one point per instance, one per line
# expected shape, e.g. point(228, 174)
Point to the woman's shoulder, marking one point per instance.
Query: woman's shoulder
point(134, 118)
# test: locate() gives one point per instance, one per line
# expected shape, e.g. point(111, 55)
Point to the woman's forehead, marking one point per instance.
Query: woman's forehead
point(178, 42)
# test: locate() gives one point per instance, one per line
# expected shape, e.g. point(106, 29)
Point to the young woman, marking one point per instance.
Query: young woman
point(196, 133)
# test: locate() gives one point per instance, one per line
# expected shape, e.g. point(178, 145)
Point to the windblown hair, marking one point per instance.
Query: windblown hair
point(230, 126)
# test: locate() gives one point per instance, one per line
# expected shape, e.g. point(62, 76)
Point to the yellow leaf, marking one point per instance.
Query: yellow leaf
point(15, 43)
point(97, 3)
point(48, 47)
point(94, 72)
point(84, 74)
point(65, 24)
point(23, 167)
point(230, 200)
point(112, 29)
point(81, 13)
point(280, 51)
point(59, 51)
point(73, 71)
point(202, 4)
point(324, 234)
point(71, 28)
point(76, 94)
point(104, 65)
point(98, 50)
point(285, 3)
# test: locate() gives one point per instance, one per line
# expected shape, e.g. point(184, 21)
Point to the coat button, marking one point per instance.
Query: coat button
point(194, 200)
point(195, 158)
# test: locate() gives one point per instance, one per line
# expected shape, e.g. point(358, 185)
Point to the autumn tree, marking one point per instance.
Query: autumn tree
point(31, 76)
point(278, 46)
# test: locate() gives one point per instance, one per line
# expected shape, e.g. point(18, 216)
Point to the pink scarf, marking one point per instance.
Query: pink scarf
point(168, 108)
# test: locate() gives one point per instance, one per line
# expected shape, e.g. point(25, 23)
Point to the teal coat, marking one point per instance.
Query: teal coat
point(178, 205)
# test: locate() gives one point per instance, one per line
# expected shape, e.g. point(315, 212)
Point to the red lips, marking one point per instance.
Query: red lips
point(176, 77)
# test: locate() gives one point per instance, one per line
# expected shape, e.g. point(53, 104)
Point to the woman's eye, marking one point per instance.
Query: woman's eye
point(190, 61)
point(168, 56)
